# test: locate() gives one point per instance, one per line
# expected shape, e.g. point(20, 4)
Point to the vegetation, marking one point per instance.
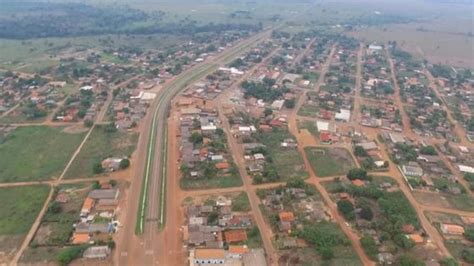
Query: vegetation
point(241, 203)
point(67, 255)
point(36, 153)
point(263, 90)
point(102, 143)
point(346, 208)
point(329, 161)
point(370, 247)
point(78, 19)
point(325, 237)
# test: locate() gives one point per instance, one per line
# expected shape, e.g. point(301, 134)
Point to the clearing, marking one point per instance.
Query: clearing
point(329, 161)
point(36, 153)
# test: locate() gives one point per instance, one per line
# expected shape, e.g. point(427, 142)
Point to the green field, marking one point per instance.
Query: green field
point(19, 208)
point(206, 183)
point(329, 161)
point(309, 110)
point(100, 145)
point(36, 153)
point(287, 162)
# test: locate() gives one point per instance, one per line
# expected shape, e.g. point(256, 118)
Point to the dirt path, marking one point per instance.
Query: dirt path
point(407, 131)
point(356, 115)
point(302, 143)
point(458, 130)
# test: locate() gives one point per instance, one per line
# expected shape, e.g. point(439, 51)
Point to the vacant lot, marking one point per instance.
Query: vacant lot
point(329, 161)
point(36, 153)
point(18, 210)
point(100, 145)
point(462, 202)
point(309, 110)
point(230, 180)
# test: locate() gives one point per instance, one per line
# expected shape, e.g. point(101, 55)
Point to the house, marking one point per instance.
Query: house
point(237, 252)
point(344, 115)
point(325, 138)
point(62, 198)
point(452, 229)
point(277, 104)
point(222, 166)
point(396, 138)
point(286, 216)
point(358, 183)
point(111, 164)
point(235, 236)
point(416, 238)
point(104, 194)
point(208, 256)
point(240, 221)
point(409, 170)
point(97, 252)
point(368, 145)
point(80, 238)
point(385, 258)
point(87, 206)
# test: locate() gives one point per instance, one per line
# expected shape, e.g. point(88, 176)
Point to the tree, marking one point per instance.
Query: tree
point(408, 260)
point(428, 150)
point(97, 168)
point(468, 255)
point(469, 234)
point(366, 213)
point(88, 123)
point(402, 241)
point(267, 111)
point(212, 218)
point(357, 173)
point(69, 254)
point(290, 104)
point(196, 138)
point(124, 163)
point(54, 207)
point(346, 208)
point(360, 152)
point(96, 185)
point(449, 262)
point(370, 247)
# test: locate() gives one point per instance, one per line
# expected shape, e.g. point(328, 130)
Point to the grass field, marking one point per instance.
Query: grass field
point(288, 162)
point(308, 125)
point(18, 210)
point(100, 145)
point(329, 161)
point(461, 202)
point(36, 153)
point(206, 183)
point(241, 203)
point(309, 110)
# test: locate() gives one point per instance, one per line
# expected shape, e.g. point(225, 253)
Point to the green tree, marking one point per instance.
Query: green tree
point(196, 138)
point(469, 234)
point(360, 152)
point(357, 173)
point(346, 208)
point(124, 163)
point(370, 247)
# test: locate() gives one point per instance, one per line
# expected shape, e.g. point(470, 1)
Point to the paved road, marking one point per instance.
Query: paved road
point(142, 249)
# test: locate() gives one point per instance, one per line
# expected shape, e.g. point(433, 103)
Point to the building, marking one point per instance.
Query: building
point(396, 138)
point(87, 206)
point(343, 115)
point(208, 256)
point(452, 229)
point(235, 236)
point(409, 170)
point(98, 194)
point(97, 252)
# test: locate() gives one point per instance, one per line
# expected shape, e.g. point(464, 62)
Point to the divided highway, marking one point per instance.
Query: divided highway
point(148, 212)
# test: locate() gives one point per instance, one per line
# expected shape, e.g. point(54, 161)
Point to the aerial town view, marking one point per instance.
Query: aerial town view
point(237, 132)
